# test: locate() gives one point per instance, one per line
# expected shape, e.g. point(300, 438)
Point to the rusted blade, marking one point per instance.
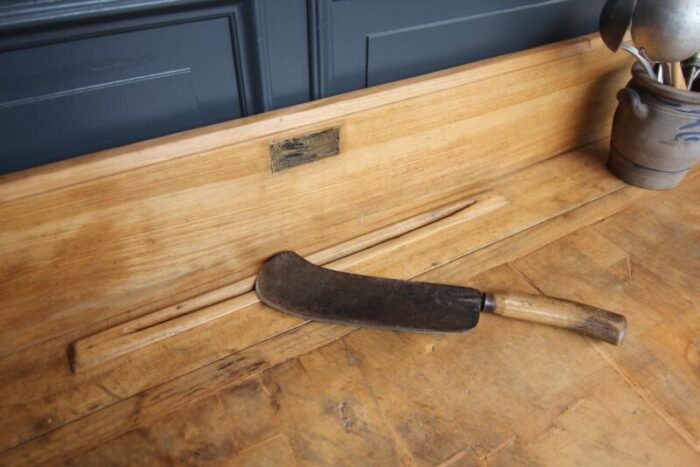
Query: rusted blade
point(291, 284)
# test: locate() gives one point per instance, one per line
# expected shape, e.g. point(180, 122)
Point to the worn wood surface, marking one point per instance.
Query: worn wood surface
point(404, 404)
point(160, 324)
point(40, 394)
point(91, 243)
point(507, 393)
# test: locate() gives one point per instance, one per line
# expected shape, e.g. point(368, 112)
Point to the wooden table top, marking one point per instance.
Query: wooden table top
point(505, 393)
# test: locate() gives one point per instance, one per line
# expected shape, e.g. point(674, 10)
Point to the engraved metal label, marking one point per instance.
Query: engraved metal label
point(291, 152)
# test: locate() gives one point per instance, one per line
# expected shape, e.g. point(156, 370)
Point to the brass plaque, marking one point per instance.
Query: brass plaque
point(291, 152)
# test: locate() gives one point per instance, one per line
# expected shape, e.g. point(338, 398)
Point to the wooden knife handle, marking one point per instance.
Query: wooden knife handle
point(601, 324)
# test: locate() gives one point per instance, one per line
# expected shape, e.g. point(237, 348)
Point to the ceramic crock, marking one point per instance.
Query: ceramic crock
point(656, 133)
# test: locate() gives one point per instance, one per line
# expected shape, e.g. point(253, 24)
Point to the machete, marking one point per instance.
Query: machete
point(289, 283)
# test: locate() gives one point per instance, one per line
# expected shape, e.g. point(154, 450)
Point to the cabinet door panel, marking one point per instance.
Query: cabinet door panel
point(411, 51)
point(80, 96)
point(39, 126)
point(367, 42)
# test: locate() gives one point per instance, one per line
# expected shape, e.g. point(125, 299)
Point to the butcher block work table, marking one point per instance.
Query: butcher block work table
point(518, 142)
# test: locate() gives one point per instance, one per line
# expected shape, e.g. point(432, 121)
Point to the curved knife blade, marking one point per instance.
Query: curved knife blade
point(289, 283)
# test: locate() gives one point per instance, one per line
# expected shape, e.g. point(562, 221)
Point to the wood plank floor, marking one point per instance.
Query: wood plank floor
point(506, 393)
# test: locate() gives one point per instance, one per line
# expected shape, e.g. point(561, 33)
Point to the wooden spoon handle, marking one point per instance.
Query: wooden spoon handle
point(601, 324)
point(677, 77)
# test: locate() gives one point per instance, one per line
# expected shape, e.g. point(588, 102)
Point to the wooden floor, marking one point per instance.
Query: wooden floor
point(90, 244)
point(506, 393)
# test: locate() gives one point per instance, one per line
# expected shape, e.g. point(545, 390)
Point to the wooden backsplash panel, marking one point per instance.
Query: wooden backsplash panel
point(93, 238)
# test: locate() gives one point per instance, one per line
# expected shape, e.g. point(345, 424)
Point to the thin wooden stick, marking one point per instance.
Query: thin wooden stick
point(153, 327)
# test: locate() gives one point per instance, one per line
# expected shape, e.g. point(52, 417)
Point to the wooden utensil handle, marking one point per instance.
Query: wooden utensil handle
point(677, 77)
point(601, 324)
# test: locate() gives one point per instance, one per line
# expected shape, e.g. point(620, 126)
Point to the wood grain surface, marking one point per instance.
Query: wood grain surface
point(120, 413)
point(174, 319)
point(490, 396)
point(92, 243)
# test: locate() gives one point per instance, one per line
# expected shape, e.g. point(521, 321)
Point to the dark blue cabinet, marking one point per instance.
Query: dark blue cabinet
point(80, 96)
point(77, 77)
point(367, 42)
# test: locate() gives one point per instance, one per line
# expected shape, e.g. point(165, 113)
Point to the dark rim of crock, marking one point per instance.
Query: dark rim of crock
point(643, 79)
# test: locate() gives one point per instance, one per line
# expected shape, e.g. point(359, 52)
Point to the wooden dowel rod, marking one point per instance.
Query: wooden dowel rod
point(153, 327)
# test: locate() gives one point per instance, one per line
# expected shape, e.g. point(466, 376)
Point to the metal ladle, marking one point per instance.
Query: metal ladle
point(669, 31)
point(692, 67)
point(615, 19)
point(648, 67)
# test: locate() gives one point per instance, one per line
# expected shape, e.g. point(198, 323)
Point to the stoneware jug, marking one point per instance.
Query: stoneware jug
point(656, 133)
